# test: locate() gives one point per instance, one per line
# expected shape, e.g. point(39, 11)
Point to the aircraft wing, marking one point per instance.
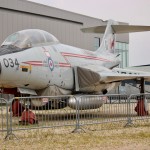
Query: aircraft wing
point(89, 76)
point(114, 77)
point(132, 74)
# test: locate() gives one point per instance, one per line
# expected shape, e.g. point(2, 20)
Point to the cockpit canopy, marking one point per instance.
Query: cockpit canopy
point(29, 38)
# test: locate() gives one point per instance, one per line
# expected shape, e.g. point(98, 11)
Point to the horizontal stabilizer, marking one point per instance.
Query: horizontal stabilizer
point(117, 29)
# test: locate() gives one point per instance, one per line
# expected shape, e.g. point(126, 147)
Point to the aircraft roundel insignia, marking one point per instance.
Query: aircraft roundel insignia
point(51, 64)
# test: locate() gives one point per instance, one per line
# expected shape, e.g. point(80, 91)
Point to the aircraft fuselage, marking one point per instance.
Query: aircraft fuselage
point(39, 67)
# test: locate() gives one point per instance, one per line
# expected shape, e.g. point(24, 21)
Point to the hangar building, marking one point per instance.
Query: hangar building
point(17, 15)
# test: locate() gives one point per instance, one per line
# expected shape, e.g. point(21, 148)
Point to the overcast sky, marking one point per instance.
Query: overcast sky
point(136, 12)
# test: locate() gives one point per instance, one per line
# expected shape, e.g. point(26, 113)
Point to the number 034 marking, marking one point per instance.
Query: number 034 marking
point(10, 62)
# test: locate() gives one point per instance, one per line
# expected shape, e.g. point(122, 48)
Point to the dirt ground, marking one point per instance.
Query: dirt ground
point(94, 138)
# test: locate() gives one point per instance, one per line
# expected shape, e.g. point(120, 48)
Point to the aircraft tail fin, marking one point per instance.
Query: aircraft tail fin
point(109, 30)
point(108, 41)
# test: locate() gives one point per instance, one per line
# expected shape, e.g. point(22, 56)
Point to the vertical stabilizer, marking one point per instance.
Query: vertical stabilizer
point(109, 30)
point(108, 41)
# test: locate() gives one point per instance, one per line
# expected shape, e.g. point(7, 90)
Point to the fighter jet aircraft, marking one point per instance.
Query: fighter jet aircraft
point(34, 62)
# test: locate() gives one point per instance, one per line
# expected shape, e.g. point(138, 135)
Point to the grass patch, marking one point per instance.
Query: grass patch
point(62, 138)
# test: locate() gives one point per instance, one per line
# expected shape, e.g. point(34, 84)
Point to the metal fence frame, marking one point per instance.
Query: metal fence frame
point(78, 123)
point(11, 129)
point(8, 128)
point(131, 119)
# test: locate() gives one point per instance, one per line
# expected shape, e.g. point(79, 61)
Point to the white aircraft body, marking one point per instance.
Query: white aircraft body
point(34, 62)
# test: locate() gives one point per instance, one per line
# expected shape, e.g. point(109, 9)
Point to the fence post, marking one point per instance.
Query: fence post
point(9, 120)
point(77, 129)
point(129, 120)
point(1, 113)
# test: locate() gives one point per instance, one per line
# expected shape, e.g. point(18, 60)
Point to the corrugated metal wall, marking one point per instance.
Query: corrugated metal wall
point(17, 15)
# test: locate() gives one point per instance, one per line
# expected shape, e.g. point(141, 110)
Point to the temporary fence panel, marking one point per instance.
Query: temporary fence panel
point(42, 112)
point(5, 117)
point(102, 109)
point(26, 113)
point(138, 108)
